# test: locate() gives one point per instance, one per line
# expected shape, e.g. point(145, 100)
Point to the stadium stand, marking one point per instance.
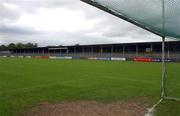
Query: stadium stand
point(106, 51)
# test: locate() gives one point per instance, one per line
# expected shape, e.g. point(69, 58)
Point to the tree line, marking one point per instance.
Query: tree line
point(18, 46)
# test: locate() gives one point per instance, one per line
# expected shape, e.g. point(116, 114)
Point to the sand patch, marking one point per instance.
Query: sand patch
point(89, 108)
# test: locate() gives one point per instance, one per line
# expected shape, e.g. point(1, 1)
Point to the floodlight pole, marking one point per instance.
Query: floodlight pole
point(163, 91)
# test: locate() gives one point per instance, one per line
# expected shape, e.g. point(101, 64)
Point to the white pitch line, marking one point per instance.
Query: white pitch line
point(151, 110)
point(39, 86)
point(125, 79)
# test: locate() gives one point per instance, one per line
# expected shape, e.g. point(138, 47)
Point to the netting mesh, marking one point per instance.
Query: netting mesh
point(159, 16)
point(148, 13)
point(173, 80)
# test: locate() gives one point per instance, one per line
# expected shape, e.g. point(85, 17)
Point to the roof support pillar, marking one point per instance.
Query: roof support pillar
point(123, 50)
point(112, 50)
point(137, 50)
point(74, 51)
point(92, 54)
point(168, 51)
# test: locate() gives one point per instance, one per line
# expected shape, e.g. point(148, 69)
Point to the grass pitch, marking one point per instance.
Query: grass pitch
point(26, 82)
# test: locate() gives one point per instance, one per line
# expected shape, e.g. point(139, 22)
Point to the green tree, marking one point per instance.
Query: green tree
point(3, 47)
point(11, 46)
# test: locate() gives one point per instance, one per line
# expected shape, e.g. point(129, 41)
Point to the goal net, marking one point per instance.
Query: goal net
point(161, 17)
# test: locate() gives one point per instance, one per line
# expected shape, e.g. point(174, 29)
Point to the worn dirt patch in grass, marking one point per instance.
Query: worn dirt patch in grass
point(89, 108)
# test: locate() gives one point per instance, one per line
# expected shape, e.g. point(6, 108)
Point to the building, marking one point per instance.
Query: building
point(125, 50)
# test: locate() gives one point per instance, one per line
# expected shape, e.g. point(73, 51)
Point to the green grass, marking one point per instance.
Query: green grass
point(26, 82)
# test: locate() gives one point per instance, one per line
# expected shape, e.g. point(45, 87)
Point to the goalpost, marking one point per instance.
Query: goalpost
point(163, 91)
point(157, 11)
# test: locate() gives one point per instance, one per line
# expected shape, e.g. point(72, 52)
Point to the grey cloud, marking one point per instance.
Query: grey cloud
point(54, 38)
point(8, 15)
point(17, 30)
point(111, 28)
point(33, 5)
point(115, 27)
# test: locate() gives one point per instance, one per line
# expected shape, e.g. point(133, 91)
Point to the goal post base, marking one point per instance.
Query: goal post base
point(172, 98)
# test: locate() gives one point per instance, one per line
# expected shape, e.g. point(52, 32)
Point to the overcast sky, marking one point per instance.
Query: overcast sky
point(64, 22)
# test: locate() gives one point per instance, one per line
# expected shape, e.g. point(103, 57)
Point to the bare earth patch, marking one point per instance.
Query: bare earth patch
point(89, 108)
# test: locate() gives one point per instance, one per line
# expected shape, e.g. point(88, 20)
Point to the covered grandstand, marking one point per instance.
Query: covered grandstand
point(122, 50)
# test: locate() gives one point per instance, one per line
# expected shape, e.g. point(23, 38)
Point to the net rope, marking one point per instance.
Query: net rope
point(148, 13)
